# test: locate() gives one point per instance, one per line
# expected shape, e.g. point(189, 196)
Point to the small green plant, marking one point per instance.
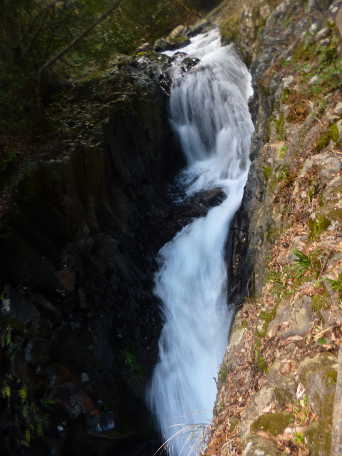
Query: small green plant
point(287, 91)
point(280, 127)
point(23, 392)
point(266, 171)
point(282, 173)
point(336, 285)
point(261, 364)
point(324, 140)
point(131, 360)
point(321, 340)
point(282, 151)
point(302, 263)
point(302, 410)
point(244, 324)
point(298, 436)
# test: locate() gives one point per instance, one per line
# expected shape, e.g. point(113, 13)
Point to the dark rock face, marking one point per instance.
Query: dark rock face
point(80, 324)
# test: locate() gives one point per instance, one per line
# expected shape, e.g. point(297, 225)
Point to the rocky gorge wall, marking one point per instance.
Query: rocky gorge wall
point(79, 323)
point(279, 389)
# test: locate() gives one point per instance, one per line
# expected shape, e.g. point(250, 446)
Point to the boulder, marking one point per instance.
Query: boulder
point(37, 351)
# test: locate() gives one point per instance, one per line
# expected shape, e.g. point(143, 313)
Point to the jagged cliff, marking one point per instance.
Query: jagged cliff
point(280, 373)
point(79, 322)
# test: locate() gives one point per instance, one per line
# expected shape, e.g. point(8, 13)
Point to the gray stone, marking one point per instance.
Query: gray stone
point(318, 376)
point(144, 48)
point(257, 446)
point(255, 408)
point(323, 33)
point(338, 109)
point(180, 30)
point(37, 351)
point(297, 319)
point(336, 433)
point(16, 306)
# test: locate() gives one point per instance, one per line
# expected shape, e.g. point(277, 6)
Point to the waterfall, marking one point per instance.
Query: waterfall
point(209, 113)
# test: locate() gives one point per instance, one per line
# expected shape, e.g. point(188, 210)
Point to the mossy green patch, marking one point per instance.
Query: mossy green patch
point(332, 133)
point(275, 423)
point(318, 225)
point(261, 364)
point(282, 395)
point(330, 376)
point(319, 302)
point(286, 95)
point(233, 423)
point(323, 141)
point(335, 213)
point(272, 234)
point(229, 29)
point(268, 317)
point(280, 127)
point(244, 324)
point(317, 438)
point(267, 172)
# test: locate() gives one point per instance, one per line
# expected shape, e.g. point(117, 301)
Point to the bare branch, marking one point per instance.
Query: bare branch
point(42, 22)
point(76, 40)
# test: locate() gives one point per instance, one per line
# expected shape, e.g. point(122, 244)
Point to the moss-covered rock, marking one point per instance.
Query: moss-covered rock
point(318, 375)
point(275, 423)
point(317, 438)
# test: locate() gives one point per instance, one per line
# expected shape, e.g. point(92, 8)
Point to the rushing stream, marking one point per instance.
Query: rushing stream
point(209, 112)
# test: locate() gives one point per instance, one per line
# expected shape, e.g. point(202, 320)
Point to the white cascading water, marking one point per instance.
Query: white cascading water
point(209, 112)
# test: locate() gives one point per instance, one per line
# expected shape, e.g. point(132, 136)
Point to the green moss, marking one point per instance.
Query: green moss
point(179, 39)
point(283, 396)
point(268, 317)
point(275, 423)
point(131, 360)
point(319, 225)
point(229, 29)
point(233, 423)
point(317, 438)
point(334, 132)
point(286, 95)
point(318, 302)
point(280, 127)
point(323, 141)
point(330, 134)
point(267, 172)
point(261, 364)
point(330, 376)
point(244, 324)
point(222, 375)
point(272, 234)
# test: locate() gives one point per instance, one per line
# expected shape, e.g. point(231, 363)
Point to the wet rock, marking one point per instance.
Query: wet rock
point(145, 47)
point(199, 27)
point(179, 30)
point(336, 434)
point(37, 351)
point(17, 306)
point(319, 376)
point(261, 400)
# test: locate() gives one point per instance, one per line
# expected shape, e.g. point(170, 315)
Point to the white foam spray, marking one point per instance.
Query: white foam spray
point(209, 112)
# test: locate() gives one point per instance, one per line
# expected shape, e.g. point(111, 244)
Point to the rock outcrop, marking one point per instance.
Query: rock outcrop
point(277, 382)
point(79, 321)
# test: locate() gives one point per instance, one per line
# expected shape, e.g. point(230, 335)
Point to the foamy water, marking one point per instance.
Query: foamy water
point(209, 113)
